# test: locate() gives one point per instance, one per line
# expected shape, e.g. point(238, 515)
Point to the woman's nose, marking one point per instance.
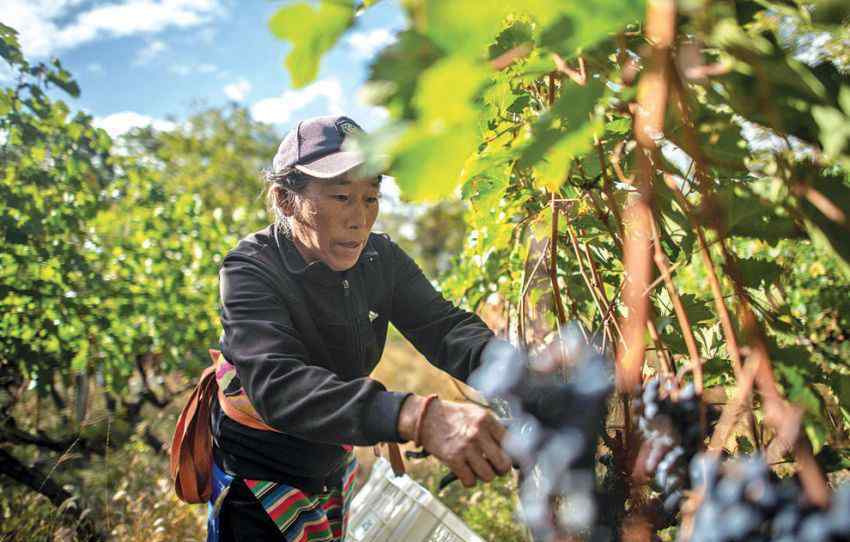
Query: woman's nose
point(358, 216)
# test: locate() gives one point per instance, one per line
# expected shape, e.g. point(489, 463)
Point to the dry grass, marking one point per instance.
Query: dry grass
point(130, 493)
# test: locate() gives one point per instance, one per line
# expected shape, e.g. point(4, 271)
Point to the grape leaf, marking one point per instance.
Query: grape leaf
point(312, 32)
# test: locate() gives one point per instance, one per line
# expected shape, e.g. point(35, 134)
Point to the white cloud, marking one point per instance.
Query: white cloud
point(281, 109)
point(42, 34)
point(366, 44)
point(150, 51)
point(185, 70)
point(118, 124)
point(238, 91)
point(95, 67)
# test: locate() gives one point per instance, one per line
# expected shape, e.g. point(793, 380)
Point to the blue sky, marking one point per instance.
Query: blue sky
point(156, 61)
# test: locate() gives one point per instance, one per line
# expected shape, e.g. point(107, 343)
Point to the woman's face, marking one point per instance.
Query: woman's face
point(334, 219)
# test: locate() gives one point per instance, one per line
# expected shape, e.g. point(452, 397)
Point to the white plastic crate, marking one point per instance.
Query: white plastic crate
point(389, 508)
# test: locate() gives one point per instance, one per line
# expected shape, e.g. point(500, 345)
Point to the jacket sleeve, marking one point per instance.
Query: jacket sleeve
point(273, 365)
point(449, 337)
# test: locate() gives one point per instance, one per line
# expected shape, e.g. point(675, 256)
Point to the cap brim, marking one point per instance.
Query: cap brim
point(332, 165)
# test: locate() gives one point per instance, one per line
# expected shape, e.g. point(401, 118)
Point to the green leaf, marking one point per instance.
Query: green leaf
point(80, 360)
point(312, 32)
point(759, 273)
point(744, 445)
point(840, 384)
point(517, 33)
point(748, 216)
point(446, 92)
point(427, 165)
point(834, 126)
point(580, 25)
point(817, 434)
point(62, 79)
point(716, 372)
point(786, 89)
point(619, 126)
point(833, 459)
point(466, 27)
point(429, 158)
point(10, 47)
point(564, 132)
point(797, 388)
point(698, 311)
point(830, 12)
point(826, 230)
point(719, 138)
point(395, 72)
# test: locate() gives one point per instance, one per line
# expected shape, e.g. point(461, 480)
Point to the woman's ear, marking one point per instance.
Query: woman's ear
point(284, 202)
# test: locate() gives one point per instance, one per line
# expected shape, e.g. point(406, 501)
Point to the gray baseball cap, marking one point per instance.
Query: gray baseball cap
point(315, 147)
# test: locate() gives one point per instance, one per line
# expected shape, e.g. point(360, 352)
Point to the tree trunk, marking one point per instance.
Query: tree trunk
point(37, 482)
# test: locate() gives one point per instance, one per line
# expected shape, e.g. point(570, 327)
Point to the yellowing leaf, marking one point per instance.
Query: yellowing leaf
point(429, 158)
point(428, 165)
point(552, 170)
point(446, 91)
point(466, 27)
point(312, 33)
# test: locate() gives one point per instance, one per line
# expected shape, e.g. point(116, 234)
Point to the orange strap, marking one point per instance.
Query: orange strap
point(191, 446)
point(237, 407)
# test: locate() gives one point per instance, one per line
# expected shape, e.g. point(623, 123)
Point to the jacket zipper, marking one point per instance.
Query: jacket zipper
point(346, 286)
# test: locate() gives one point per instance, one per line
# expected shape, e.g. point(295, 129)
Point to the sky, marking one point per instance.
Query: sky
point(141, 62)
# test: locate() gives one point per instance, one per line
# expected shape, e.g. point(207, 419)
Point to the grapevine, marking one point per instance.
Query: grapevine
point(673, 435)
point(743, 500)
point(612, 159)
point(552, 430)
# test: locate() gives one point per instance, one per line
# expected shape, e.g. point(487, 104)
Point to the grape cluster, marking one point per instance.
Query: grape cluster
point(742, 500)
point(672, 435)
point(553, 430)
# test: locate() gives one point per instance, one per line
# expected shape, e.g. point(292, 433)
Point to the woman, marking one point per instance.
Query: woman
point(305, 305)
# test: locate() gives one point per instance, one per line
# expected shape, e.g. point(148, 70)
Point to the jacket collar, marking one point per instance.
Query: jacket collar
point(316, 271)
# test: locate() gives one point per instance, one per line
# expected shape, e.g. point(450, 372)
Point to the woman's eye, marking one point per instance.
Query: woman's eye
point(340, 197)
point(372, 200)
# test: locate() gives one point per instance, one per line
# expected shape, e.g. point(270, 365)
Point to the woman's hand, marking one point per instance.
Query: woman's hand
point(464, 436)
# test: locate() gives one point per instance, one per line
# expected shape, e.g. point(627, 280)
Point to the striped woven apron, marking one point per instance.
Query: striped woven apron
point(300, 516)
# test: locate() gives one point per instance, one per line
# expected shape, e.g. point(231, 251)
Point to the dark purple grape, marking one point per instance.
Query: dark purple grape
point(703, 470)
point(739, 521)
point(729, 490)
point(785, 522)
point(762, 492)
point(672, 502)
point(839, 513)
point(688, 393)
point(815, 528)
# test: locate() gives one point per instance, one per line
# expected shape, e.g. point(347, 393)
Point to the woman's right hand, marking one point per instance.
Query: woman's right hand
point(464, 436)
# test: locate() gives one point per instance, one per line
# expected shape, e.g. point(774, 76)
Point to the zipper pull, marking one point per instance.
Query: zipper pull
point(345, 286)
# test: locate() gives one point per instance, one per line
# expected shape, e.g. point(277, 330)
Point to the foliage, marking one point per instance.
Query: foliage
point(56, 172)
point(431, 234)
point(109, 255)
point(218, 155)
point(532, 111)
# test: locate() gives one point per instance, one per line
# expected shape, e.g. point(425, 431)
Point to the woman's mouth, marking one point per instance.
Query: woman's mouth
point(350, 245)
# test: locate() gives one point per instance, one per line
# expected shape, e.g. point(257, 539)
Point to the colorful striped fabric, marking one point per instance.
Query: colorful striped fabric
point(305, 517)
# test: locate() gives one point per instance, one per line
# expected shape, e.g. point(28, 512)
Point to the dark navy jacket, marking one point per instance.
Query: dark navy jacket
point(304, 339)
